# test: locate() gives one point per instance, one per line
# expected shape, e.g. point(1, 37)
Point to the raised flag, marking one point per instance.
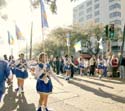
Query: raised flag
point(43, 15)
point(10, 39)
point(100, 43)
point(77, 46)
point(19, 34)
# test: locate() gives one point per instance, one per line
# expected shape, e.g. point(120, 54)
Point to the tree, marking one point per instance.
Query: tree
point(51, 3)
point(56, 41)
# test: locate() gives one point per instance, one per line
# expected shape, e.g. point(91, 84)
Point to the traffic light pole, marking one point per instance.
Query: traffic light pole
point(109, 31)
point(109, 46)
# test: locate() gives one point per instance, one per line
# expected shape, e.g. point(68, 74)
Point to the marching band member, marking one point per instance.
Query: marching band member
point(44, 86)
point(21, 72)
point(81, 65)
point(67, 66)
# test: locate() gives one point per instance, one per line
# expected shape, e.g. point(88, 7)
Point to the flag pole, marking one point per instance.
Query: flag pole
point(26, 50)
point(31, 34)
point(68, 42)
point(43, 40)
point(44, 22)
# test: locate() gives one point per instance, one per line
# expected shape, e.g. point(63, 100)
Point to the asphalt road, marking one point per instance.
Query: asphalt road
point(80, 94)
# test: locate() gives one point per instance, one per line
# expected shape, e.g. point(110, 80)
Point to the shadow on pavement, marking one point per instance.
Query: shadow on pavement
point(118, 81)
point(12, 102)
point(99, 84)
point(99, 92)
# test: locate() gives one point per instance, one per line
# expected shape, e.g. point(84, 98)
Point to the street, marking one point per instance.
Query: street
point(80, 94)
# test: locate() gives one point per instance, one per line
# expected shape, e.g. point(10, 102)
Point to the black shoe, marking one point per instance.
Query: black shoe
point(17, 89)
point(67, 78)
point(47, 109)
point(39, 109)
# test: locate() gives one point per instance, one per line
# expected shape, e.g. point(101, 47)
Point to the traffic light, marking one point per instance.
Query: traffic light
point(106, 30)
point(111, 31)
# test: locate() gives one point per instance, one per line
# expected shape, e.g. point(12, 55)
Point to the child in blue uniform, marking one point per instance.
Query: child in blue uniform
point(44, 85)
point(21, 72)
point(67, 66)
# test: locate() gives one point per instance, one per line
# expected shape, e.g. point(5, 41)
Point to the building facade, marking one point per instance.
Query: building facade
point(100, 11)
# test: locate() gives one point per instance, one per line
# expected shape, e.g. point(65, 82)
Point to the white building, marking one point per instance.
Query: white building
point(100, 11)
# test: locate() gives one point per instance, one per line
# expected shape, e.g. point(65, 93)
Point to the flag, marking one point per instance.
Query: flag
point(43, 15)
point(19, 34)
point(77, 46)
point(10, 39)
point(100, 43)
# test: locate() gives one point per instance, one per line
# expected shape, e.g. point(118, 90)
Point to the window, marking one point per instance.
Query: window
point(81, 13)
point(115, 48)
point(96, 0)
point(96, 20)
point(96, 6)
point(116, 22)
point(114, 6)
point(89, 16)
point(97, 13)
point(89, 9)
point(115, 14)
point(89, 3)
point(81, 7)
point(111, 0)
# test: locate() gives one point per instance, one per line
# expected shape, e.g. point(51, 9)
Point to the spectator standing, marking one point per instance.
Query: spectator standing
point(114, 64)
point(122, 67)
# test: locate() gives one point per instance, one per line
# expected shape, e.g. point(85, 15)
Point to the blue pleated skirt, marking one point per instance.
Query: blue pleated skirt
point(21, 74)
point(67, 67)
point(100, 66)
point(81, 66)
point(45, 88)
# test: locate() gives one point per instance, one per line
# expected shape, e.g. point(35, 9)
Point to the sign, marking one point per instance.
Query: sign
point(68, 42)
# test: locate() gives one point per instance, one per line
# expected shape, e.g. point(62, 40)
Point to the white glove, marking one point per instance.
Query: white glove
point(22, 69)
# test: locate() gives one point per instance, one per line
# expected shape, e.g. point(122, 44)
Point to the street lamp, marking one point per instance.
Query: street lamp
point(68, 41)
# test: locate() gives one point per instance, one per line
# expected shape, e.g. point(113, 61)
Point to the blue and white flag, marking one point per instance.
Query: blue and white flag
point(43, 15)
point(77, 46)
